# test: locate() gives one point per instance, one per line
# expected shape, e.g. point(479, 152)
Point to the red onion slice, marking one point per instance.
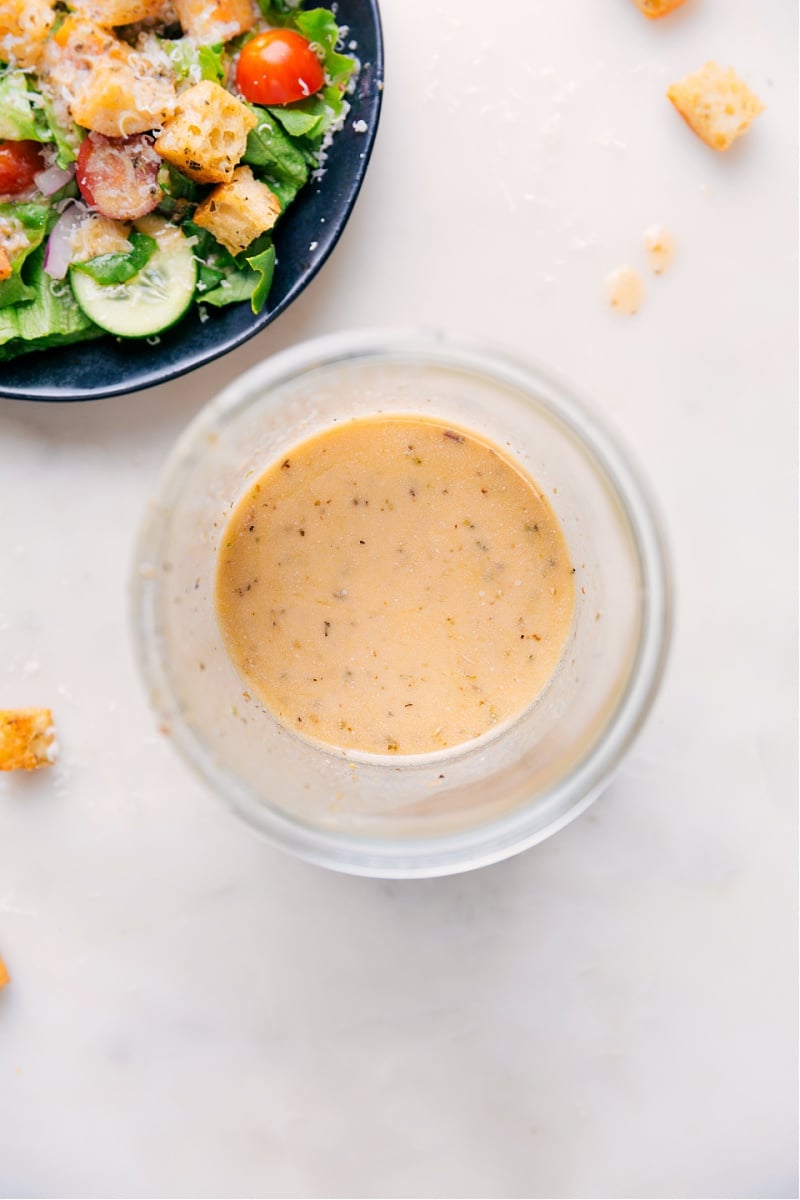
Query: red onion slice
point(59, 245)
point(52, 179)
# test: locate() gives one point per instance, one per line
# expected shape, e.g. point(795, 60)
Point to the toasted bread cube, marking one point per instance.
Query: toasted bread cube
point(24, 26)
point(4, 975)
point(108, 13)
point(27, 739)
point(657, 8)
point(207, 134)
point(716, 104)
point(5, 265)
point(112, 88)
point(237, 212)
point(210, 21)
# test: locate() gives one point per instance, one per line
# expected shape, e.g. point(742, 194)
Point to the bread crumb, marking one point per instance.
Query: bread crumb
point(27, 739)
point(657, 8)
point(659, 246)
point(625, 290)
point(716, 104)
point(4, 975)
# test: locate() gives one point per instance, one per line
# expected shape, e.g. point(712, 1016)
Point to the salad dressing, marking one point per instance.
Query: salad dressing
point(394, 586)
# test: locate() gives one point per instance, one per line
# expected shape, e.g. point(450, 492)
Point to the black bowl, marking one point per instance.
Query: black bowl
point(107, 367)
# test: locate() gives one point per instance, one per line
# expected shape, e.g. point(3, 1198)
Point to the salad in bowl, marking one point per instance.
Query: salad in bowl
point(148, 149)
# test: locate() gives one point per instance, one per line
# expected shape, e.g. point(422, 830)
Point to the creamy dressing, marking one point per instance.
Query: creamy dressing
point(395, 586)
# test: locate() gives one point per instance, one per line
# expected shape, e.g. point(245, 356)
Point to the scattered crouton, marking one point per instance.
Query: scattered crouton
point(206, 136)
point(24, 26)
point(657, 8)
point(625, 290)
point(659, 246)
point(112, 88)
point(716, 104)
point(27, 739)
point(5, 265)
point(210, 21)
point(4, 975)
point(237, 212)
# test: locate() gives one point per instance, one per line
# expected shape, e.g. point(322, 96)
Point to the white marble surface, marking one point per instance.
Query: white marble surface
point(610, 1014)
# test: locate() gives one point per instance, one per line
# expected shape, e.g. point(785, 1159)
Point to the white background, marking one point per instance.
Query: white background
point(612, 1013)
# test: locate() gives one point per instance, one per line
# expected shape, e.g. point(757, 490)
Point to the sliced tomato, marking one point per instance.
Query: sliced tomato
point(278, 67)
point(119, 176)
point(19, 163)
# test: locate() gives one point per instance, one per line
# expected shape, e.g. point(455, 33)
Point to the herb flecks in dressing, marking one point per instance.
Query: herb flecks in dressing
point(395, 586)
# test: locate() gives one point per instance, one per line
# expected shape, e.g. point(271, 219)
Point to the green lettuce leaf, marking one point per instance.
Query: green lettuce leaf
point(232, 288)
point(67, 140)
point(216, 268)
point(319, 26)
point(22, 117)
point(223, 279)
point(208, 278)
point(52, 318)
point(15, 290)
point(118, 267)
point(207, 250)
point(263, 264)
point(285, 192)
point(179, 194)
point(27, 115)
point(298, 122)
point(34, 220)
point(273, 153)
point(195, 62)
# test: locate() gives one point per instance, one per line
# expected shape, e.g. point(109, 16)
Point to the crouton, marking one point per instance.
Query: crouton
point(207, 134)
point(27, 739)
point(210, 21)
point(24, 26)
point(108, 13)
point(659, 246)
point(237, 212)
point(4, 975)
point(625, 290)
point(111, 88)
point(657, 8)
point(5, 265)
point(716, 104)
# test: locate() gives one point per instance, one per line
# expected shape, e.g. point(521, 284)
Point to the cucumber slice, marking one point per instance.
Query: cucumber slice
point(150, 301)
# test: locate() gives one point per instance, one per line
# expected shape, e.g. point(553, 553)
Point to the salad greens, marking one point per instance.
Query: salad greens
point(21, 115)
point(120, 267)
point(38, 307)
point(32, 220)
point(52, 317)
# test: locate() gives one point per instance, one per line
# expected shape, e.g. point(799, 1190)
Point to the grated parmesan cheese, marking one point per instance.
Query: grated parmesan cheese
point(13, 237)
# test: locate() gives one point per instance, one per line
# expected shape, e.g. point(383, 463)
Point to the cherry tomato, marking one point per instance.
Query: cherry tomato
point(19, 162)
point(119, 176)
point(278, 67)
